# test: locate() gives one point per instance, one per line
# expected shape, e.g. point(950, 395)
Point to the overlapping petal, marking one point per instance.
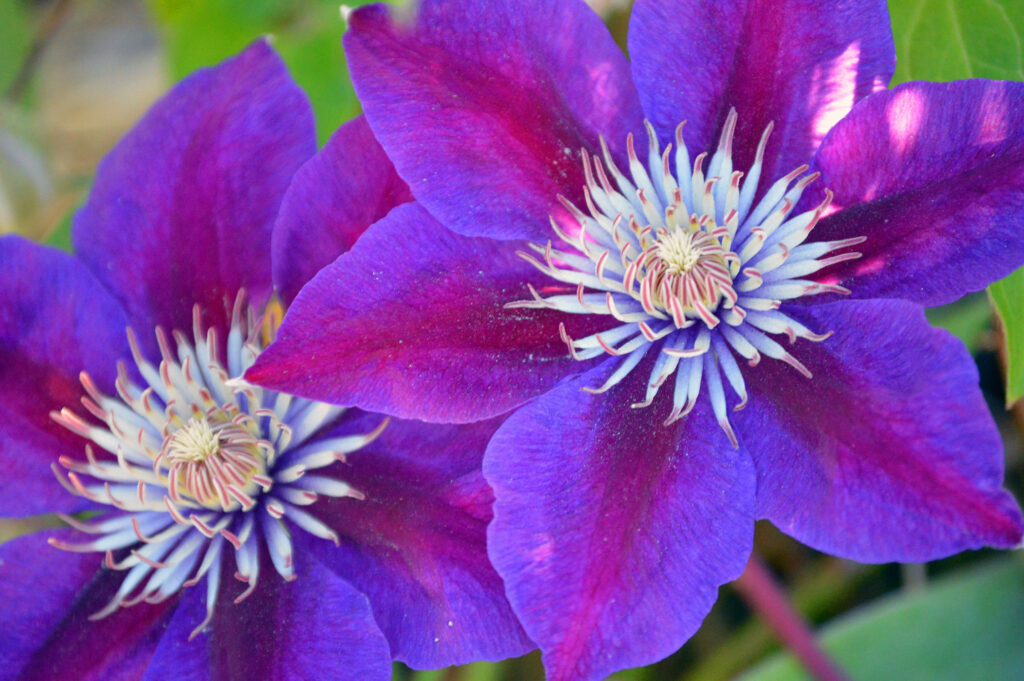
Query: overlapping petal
point(933, 175)
point(316, 628)
point(416, 544)
point(56, 320)
point(411, 322)
point(889, 452)
point(333, 198)
point(801, 64)
point(483, 105)
point(611, 531)
point(182, 208)
point(48, 596)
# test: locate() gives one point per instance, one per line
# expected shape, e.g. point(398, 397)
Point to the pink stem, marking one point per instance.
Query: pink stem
point(766, 597)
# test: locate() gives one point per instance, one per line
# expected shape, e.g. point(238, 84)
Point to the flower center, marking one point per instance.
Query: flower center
point(695, 265)
point(684, 272)
point(678, 252)
point(193, 461)
point(194, 443)
point(213, 464)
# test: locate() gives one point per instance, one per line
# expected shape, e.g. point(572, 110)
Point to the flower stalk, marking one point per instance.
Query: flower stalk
point(765, 596)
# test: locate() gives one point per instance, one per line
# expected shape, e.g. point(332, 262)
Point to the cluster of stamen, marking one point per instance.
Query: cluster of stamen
point(683, 273)
point(196, 461)
point(687, 262)
point(214, 464)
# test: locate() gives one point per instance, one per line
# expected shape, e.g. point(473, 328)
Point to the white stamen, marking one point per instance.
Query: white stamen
point(193, 457)
point(695, 249)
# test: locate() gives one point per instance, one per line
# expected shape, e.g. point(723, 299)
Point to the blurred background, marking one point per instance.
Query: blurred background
point(76, 74)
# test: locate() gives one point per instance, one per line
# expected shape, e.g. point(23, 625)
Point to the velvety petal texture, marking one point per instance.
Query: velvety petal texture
point(182, 208)
point(48, 596)
point(317, 628)
point(411, 322)
point(613, 532)
point(933, 175)
point(416, 544)
point(888, 453)
point(801, 64)
point(483, 105)
point(56, 320)
point(334, 197)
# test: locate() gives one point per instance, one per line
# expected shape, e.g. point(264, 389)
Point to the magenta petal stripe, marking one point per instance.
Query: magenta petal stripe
point(414, 309)
point(611, 531)
point(48, 334)
point(193, 476)
point(488, 135)
point(888, 453)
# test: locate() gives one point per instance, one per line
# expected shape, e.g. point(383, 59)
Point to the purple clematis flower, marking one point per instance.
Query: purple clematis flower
point(344, 541)
point(731, 324)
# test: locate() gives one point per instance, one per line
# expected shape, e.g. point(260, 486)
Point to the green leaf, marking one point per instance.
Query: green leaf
point(968, 319)
point(963, 628)
point(198, 33)
point(15, 38)
point(1008, 297)
point(950, 39)
point(61, 236)
point(945, 40)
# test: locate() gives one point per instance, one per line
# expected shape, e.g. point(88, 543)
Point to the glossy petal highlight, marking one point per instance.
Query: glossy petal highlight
point(933, 175)
point(801, 64)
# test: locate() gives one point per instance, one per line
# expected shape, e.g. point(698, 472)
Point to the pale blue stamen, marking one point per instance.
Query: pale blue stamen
point(659, 276)
point(171, 513)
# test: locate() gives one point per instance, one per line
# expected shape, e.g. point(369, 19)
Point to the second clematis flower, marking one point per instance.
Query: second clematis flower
point(698, 277)
point(319, 542)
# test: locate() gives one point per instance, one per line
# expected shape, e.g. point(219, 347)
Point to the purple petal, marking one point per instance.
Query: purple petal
point(316, 628)
point(334, 197)
point(416, 545)
point(889, 453)
point(182, 208)
point(411, 322)
point(933, 175)
point(612, 531)
point(48, 595)
point(483, 106)
point(800, 63)
point(56, 320)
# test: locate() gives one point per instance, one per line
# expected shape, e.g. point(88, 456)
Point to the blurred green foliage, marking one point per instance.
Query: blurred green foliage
point(963, 628)
point(15, 39)
point(307, 34)
point(61, 236)
point(969, 319)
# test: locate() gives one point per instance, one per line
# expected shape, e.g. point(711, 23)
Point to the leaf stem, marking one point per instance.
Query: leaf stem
point(766, 597)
